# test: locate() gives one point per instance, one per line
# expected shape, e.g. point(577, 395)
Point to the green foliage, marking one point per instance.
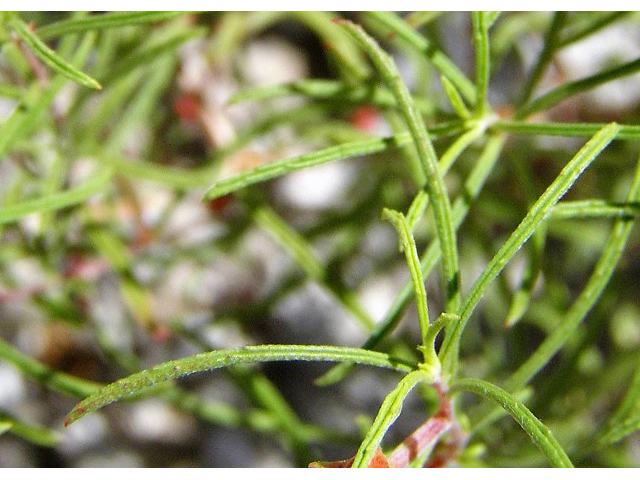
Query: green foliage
point(529, 283)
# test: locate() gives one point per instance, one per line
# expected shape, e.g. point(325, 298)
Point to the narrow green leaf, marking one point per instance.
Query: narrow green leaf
point(339, 46)
point(551, 39)
point(150, 53)
point(417, 20)
point(59, 381)
point(626, 419)
point(455, 100)
point(417, 208)
point(520, 301)
point(435, 185)
point(421, 201)
point(627, 132)
point(537, 214)
point(481, 41)
point(103, 21)
point(56, 201)
point(537, 431)
point(389, 411)
point(439, 60)
point(409, 246)
point(603, 20)
point(567, 90)
point(282, 167)
point(50, 57)
point(142, 107)
point(472, 188)
point(491, 18)
point(35, 434)
point(580, 209)
point(21, 122)
point(329, 90)
point(305, 257)
point(223, 358)
point(586, 300)
point(176, 178)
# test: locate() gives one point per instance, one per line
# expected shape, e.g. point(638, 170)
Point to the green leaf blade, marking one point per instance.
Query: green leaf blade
point(282, 167)
point(224, 358)
point(104, 21)
point(537, 431)
point(51, 58)
point(537, 214)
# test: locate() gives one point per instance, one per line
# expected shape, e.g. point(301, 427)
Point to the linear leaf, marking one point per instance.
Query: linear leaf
point(330, 90)
point(455, 100)
point(389, 411)
point(35, 434)
point(579, 209)
point(50, 57)
point(586, 300)
point(224, 358)
point(536, 215)
point(59, 381)
point(56, 201)
point(557, 95)
point(627, 132)
point(550, 45)
point(481, 40)
point(22, 122)
point(537, 431)
point(305, 257)
point(429, 161)
point(428, 261)
point(602, 21)
point(282, 167)
point(102, 21)
point(439, 60)
point(409, 246)
point(150, 53)
point(626, 419)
